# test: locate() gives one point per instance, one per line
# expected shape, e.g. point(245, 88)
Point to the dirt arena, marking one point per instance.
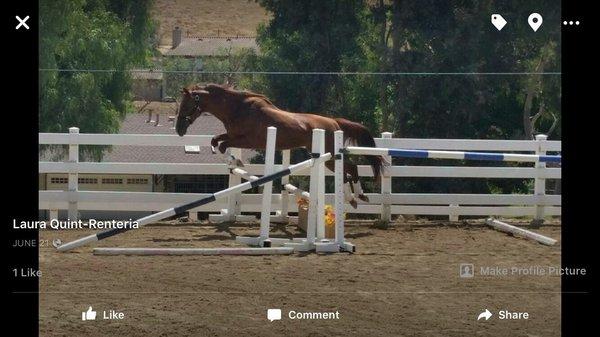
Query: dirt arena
point(402, 281)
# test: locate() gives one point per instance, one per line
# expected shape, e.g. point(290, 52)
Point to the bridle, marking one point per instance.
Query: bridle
point(196, 108)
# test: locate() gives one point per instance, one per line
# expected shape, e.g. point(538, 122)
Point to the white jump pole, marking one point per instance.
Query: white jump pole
point(194, 251)
point(504, 227)
point(296, 191)
point(244, 174)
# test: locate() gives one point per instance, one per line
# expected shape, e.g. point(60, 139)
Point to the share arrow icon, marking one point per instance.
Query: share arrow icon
point(486, 314)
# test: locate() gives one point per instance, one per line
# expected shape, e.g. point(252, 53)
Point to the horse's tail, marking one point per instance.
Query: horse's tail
point(360, 135)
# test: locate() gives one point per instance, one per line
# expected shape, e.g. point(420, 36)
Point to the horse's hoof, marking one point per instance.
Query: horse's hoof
point(354, 204)
point(233, 161)
point(212, 148)
point(363, 198)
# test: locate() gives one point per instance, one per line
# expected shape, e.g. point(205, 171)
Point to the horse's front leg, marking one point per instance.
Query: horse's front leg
point(214, 142)
point(233, 142)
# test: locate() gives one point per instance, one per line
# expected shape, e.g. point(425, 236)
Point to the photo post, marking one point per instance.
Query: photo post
point(299, 168)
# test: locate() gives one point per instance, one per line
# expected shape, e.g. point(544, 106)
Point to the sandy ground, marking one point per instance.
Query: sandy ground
point(403, 281)
point(208, 17)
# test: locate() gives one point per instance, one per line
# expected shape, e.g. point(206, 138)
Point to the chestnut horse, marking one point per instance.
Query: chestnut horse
point(247, 115)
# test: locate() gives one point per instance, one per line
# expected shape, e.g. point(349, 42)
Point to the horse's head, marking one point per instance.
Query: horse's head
point(193, 104)
point(221, 101)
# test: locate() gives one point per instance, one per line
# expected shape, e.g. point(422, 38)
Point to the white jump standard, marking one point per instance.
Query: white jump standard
point(315, 239)
point(186, 207)
point(315, 231)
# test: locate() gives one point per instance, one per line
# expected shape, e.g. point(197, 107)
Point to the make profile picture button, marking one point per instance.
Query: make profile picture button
point(466, 270)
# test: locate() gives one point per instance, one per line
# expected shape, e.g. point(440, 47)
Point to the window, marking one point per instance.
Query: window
point(112, 181)
point(57, 180)
point(88, 180)
point(137, 181)
point(200, 184)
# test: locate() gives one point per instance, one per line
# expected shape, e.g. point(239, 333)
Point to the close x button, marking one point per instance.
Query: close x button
point(22, 23)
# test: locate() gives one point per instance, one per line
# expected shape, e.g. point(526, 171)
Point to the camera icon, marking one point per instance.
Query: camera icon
point(466, 270)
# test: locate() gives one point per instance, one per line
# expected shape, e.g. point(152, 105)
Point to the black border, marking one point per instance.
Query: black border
point(578, 133)
point(20, 150)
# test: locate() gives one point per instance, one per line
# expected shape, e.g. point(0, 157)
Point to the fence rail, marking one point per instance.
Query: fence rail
point(385, 203)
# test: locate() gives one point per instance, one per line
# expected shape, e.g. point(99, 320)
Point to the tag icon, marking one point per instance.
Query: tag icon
point(535, 21)
point(498, 21)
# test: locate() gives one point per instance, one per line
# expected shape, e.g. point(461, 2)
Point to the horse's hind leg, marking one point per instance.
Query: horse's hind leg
point(348, 192)
point(352, 170)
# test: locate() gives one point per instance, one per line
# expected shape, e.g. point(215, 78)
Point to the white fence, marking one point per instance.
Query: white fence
point(385, 203)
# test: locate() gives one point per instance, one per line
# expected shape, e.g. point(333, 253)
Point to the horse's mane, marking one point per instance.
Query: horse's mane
point(230, 90)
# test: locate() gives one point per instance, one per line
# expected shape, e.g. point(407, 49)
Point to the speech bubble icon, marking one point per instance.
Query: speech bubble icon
point(273, 314)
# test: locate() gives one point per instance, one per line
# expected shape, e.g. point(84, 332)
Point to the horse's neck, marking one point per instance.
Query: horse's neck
point(231, 114)
point(224, 117)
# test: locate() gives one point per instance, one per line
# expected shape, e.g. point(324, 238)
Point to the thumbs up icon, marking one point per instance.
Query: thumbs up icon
point(88, 315)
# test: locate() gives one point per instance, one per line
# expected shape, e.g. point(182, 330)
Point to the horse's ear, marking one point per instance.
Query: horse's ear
point(185, 91)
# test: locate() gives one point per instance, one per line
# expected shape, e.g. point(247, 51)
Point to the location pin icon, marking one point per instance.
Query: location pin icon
point(535, 21)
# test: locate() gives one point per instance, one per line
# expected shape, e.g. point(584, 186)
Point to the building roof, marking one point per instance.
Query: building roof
point(136, 124)
point(211, 46)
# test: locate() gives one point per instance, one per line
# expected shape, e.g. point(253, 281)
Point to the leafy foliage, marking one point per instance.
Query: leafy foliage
point(415, 41)
point(81, 34)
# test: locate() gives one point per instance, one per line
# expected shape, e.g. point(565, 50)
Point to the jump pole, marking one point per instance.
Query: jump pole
point(459, 155)
point(186, 207)
point(504, 227)
point(194, 251)
point(296, 191)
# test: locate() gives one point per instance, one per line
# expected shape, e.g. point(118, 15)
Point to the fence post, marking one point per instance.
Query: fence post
point(73, 175)
point(540, 182)
point(386, 187)
point(453, 212)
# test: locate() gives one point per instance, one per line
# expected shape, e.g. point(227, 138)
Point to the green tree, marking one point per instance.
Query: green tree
point(100, 34)
point(305, 36)
point(412, 38)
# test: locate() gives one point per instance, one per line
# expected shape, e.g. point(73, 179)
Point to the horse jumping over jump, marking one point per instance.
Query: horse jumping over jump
point(247, 115)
